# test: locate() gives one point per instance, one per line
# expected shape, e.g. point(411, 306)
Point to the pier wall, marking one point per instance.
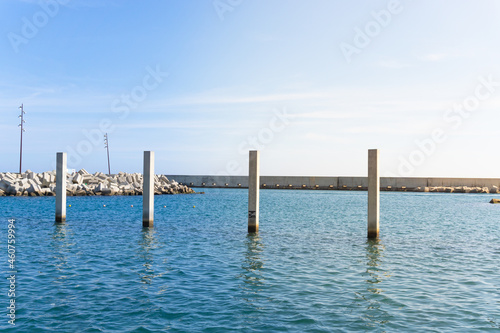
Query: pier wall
point(332, 183)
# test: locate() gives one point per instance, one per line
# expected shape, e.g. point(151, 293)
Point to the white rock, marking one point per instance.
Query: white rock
point(14, 190)
point(10, 178)
point(34, 188)
point(77, 179)
point(45, 190)
point(83, 172)
point(46, 179)
point(100, 188)
point(9, 181)
point(4, 185)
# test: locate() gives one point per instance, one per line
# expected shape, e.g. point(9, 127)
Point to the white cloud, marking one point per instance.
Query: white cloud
point(330, 114)
point(393, 64)
point(396, 129)
point(433, 57)
point(212, 98)
point(188, 124)
point(313, 136)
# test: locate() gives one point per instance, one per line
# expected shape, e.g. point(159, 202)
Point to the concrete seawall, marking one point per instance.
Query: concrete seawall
point(344, 183)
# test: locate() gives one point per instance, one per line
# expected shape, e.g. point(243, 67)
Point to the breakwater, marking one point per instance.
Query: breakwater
point(82, 183)
point(410, 184)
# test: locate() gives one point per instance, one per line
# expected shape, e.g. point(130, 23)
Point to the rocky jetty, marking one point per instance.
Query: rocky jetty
point(82, 183)
point(464, 189)
point(444, 189)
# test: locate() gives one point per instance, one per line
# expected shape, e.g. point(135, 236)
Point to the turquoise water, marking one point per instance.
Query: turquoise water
point(435, 267)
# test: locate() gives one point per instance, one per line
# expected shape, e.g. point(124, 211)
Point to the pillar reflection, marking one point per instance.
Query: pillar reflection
point(372, 297)
point(148, 243)
point(375, 273)
point(252, 264)
point(60, 246)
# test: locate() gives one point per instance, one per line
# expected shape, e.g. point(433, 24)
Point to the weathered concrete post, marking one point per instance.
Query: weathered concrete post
point(373, 193)
point(148, 189)
point(61, 170)
point(253, 191)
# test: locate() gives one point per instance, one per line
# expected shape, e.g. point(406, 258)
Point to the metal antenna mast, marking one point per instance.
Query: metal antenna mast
point(22, 130)
point(106, 145)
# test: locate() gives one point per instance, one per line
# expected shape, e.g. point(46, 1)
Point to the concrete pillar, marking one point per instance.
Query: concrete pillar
point(148, 189)
point(253, 191)
point(61, 170)
point(373, 193)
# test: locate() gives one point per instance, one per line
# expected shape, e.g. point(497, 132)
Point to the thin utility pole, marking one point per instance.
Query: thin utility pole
point(106, 145)
point(22, 130)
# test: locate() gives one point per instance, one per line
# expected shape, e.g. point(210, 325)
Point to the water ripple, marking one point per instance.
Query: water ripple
point(309, 269)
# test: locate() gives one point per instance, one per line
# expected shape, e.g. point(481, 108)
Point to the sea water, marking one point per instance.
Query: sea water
point(434, 268)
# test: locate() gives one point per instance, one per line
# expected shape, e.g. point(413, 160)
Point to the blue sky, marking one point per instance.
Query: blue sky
point(313, 85)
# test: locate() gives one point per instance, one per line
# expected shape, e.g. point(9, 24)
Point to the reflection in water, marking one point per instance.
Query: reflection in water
point(374, 255)
point(152, 267)
point(62, 262)
point(148, 243)
point(252, 264)
point(60, 246)
point(373, 296)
